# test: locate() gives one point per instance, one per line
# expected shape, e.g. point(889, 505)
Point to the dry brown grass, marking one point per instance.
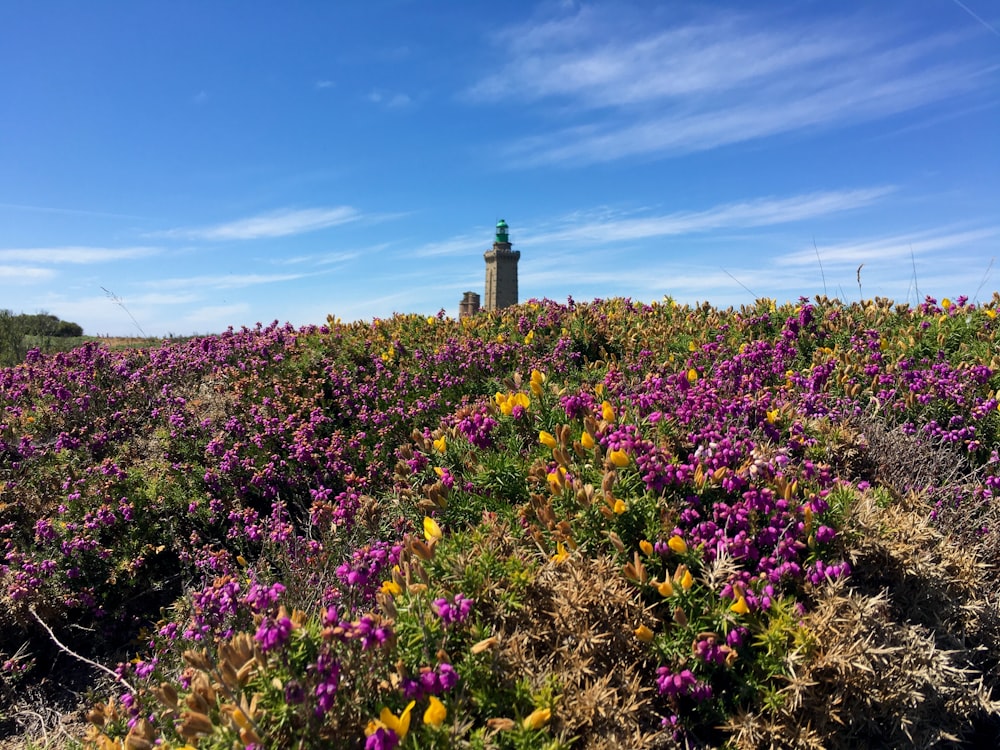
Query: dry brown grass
point(577, 630)
point(905, 652)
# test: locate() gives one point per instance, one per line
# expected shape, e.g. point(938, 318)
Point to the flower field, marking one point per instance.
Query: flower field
point(570, 525)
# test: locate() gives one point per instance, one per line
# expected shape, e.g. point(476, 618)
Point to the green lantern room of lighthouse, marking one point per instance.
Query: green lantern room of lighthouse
point(502, 231)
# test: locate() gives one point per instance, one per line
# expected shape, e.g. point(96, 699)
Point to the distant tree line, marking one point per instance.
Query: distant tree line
point(20, 332)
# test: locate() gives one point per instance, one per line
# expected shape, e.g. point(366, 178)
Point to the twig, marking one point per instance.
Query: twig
point(986, 277)
point(738, 282)
point(118, 301)
point(84, 659)
point(860, 294)
point(916, 286)
point(820, 261)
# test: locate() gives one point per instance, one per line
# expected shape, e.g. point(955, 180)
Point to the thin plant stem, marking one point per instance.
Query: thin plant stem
point(84, 659)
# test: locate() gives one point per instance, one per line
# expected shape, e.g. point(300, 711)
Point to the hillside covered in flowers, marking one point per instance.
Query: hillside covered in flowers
point(573, 525)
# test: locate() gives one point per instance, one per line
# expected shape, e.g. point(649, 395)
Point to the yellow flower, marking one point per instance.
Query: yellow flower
point(666, 588)
point(599, 389)
point(619, 458)
point(644, 634)
point(946, 303)
point(547, 439)
point(561, 553)
point(439, 471)
point(772, 415)
point(400, 725)
point(522, 400)
point(586, 440)
point(431, 529)
point(687, 580)
point(608, 412)
point(692, 376)
point(430, 320)
point(538, 718)
point(620, 507)
point(991, 314)
point(740, 606)
point(677, 544)
point(556, 481)
point(391, 588)
point(537, 376)
point(692, 346)
point(441, 444)
point(646, 547)
point(436, 713)
point(530, 337)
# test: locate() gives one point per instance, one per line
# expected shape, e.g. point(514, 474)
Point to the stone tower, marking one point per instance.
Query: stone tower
point(501, 271)
point(469, 305)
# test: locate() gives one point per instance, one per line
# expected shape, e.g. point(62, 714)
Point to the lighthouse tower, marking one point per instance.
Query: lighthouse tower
point(501, 271)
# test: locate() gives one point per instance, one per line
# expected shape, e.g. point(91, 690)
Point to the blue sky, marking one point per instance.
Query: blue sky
point(195, 165)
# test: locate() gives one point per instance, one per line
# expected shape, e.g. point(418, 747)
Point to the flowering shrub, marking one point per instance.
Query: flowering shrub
point(605, 520)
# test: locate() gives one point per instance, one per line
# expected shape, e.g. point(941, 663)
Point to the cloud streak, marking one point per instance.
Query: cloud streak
point(26, 274)
point(710, 81)
point(895, 248)
point(282, 223)
point(225, 281)
point(747, 214)
point(76, 255)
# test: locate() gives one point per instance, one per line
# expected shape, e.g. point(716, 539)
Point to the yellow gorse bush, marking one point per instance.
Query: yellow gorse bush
point(436, 712)
point(537, 718)
point(432, 531)
point(388, 720)
point(547, 439)
point(619, 458)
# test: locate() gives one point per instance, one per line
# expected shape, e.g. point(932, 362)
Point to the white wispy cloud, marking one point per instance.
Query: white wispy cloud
point(893, 248)
point(746, 214)
point(335, 257)
point(159, 298)
point(67, 211)
point(674, 86)
point(389, 100)
point(462, 244)
point(76, 255)
point(216, 317)
point(281, 223)
point(26, 273)
point(224, 281)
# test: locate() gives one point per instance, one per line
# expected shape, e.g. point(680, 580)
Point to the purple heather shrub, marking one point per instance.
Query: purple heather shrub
point(478, 428)
point(382, 739)
point(328, 669)
point(454, 612)
point(430, 682)
point(262, 598)
point(273, 633)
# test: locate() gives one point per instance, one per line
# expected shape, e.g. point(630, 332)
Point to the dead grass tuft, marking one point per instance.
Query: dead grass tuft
point(905, 654)
point(577, 630)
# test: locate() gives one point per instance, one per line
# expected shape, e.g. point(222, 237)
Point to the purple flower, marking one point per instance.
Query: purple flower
point(382, 739)
point(273, 633)
point(454, 612)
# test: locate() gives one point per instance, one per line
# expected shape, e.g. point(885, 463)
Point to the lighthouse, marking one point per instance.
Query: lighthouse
point(501, 271)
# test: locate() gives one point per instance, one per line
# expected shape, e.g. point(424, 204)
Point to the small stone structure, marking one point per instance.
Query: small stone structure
point(501, 277)
point(469, 305)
